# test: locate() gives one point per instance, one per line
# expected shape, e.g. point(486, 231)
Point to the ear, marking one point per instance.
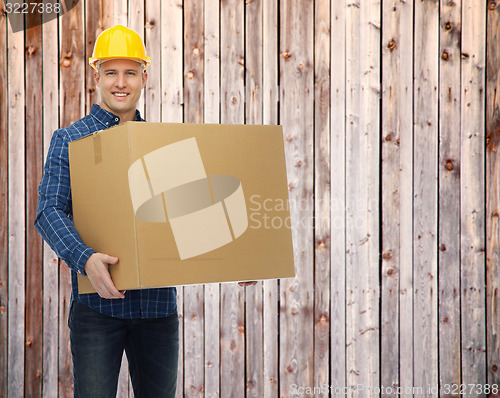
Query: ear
point(96, 78)
point(144, 78)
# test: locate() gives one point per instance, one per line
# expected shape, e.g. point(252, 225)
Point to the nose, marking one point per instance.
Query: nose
point(120, 81)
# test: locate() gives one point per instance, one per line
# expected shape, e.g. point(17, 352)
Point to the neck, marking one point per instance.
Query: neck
point(128, 116)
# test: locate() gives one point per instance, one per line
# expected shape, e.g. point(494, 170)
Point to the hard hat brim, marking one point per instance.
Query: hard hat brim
point(94, 62)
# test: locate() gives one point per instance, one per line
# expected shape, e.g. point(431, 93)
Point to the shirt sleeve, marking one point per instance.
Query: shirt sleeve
point(54, 219)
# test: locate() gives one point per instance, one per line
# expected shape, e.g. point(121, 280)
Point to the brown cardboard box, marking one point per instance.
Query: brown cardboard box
point(183, 203)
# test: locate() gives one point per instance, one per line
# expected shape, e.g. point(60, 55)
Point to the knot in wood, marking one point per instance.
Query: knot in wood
point(392, 45)
point(387, 256)
point(190, 75)
point(31, 50)
point(29, 343)
point(388, 137)
point(300, 67)
point(442, 247)
point(234, 100)
point(66, 61)
point(447, 25)
point(492, 5)
point(2, 309)
point(196, 51)
point(494, 368)
point(445, 56)
point(298, 163)
point(449, 165)
point(286, 55)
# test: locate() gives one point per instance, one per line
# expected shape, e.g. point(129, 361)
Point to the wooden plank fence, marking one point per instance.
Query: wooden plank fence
point(391, 118)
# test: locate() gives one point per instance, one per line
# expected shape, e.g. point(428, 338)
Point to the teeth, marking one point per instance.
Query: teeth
point(120, 94)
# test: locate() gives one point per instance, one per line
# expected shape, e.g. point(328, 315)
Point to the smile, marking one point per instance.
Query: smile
point(120, 94)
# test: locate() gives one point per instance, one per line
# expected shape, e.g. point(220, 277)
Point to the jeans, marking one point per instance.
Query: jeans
point(97, 344)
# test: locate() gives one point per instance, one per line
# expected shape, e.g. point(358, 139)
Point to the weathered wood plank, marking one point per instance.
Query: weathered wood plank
point(134, 15)
point(211, 115)
point(493, 191)
point(425, 194)
point(4, 205)
point(338, 190)
point(193, 341)
point(50, 260)
point(193, 113)
point(449, 193)
point(296, 115)
point(322, 193)
point(390, 159)
point(152, 40)
point(98, 17)
point(180, 372)
point(270, 96)
point(72, 108)
point(405, 40)
point(232, 336)
point(123, 14)
point(16, 224)
point(34, 247)
point(171, 61)
point(362, 187)
point(472, 198)
point(193, 61)
point(253, 115)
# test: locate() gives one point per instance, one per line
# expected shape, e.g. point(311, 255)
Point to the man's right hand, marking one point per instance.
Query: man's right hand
point(97, 270)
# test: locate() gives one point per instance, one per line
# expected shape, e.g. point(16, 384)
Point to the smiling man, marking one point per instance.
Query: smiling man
point(143, 323)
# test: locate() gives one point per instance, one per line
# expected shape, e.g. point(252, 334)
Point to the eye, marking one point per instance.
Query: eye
point(110, 73)
point(131, 73)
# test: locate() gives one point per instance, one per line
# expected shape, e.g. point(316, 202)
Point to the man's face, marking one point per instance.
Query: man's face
point(120, 82)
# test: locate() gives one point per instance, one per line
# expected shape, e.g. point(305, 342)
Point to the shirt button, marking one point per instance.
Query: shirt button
point(107, 123)
point(116, 119)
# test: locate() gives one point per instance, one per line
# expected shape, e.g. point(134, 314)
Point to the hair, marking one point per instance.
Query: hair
point(100, 62)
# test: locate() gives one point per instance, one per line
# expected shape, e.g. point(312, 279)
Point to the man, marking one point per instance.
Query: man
point(144, 323)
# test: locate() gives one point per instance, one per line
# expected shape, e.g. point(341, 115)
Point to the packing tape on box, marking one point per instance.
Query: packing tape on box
point(205, 212)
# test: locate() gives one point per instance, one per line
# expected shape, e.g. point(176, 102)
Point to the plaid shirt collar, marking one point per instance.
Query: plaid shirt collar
point(107, 119)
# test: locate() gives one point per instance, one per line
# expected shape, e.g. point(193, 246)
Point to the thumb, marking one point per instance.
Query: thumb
point(111, 260)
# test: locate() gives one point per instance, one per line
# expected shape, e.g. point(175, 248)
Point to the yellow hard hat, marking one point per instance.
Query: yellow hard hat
point(119, 42)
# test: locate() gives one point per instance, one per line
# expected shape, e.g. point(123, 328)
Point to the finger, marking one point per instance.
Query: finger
point(111, 259)
point(113, 291)
point(105, 287)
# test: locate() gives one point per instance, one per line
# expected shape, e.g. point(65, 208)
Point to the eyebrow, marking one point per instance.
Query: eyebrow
point(115, 70)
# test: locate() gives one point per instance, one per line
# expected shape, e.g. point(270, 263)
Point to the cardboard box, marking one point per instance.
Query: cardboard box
point(183, 203)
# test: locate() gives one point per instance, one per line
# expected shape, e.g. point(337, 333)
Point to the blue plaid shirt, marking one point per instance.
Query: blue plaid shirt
point(54, 221)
